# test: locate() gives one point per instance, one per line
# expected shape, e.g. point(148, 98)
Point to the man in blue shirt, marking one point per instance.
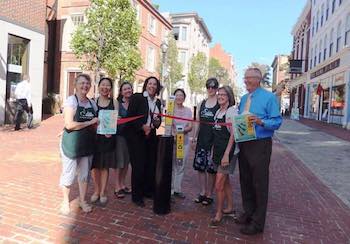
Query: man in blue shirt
point(254, 156)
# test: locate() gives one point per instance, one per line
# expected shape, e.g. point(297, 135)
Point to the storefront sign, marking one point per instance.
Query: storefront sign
point(339, 79)
point(326, 68)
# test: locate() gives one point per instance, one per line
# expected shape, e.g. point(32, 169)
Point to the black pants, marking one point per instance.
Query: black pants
point(143, 152)
point(22, 106)
point(254, 161)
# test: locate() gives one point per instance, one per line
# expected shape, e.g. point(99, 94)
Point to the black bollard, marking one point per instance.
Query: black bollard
point(164, 166)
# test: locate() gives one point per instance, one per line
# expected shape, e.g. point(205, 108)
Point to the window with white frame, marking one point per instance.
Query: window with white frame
point(322, 11)
point(347, 30)
point(150, 59)
point(184, 33)
point(315, 57)
point(152, 25)
point(333, 6)
point(311, 55)
point(77, 19)
point(176, 32)
point(325, 47)
point(138, 11)
point(317, 18)
point(182, 58)
point(320, 52)
point(338, 44)
point(327, 10)
point(313, 26)
point(331, 40)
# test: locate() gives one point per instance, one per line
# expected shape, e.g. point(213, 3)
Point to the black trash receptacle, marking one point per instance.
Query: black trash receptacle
point(164, 166)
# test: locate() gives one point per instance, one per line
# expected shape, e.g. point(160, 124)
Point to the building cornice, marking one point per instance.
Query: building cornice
point(153, 10)
point(197, 18)
point(302, 17)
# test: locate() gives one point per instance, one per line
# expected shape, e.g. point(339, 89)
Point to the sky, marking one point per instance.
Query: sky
point(251, 30)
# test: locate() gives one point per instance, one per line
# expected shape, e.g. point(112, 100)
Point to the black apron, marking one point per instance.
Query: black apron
point(80, 143)
point(221, 138)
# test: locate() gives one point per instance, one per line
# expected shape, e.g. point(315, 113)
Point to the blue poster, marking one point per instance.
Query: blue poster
point(107, 122)
point(243, 129)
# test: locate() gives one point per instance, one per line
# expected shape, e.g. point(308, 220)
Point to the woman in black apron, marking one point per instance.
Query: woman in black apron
point(223, 153)
point(78, 141)
point(142, 139)
point(203, 140)
point(104, 156)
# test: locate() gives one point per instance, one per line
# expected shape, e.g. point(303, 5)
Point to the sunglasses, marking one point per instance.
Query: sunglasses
point(212, 87)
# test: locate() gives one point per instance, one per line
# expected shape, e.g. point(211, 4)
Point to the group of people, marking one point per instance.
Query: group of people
point(216, 151)
point(84, 152)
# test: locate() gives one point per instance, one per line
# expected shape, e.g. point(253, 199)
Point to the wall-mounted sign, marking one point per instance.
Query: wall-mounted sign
point(339, 79)
point(326, 68)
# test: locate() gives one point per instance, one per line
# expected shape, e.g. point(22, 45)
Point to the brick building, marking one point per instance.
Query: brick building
point(66, 66)
point(225, 59)
point(22, 43)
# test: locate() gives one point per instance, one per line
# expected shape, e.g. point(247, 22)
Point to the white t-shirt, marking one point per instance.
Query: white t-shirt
point(71, 102)
point(22, 91)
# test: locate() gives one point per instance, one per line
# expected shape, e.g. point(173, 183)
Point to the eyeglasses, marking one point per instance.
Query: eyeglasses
point(211, 87)
point(251, 77)
point(222, 95)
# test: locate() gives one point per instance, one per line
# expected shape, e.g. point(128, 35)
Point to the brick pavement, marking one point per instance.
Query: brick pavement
point(332, 129)
point(301, 208)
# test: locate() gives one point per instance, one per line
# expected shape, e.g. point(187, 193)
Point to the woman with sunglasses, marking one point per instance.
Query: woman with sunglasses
point(203, 139)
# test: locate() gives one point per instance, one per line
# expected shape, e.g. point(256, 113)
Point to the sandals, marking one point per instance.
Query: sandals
point(85, 207)
point(215, 223)
point(64, 209)
point(231, 213)
point(126, 190)
point(103, 199)
point(94, 198)
point(120, 193)
point(200, 198)
point(207, 201)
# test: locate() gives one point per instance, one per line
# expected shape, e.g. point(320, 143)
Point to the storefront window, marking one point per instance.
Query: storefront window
point(325, 103)
point(314, 103)
point(338, 100)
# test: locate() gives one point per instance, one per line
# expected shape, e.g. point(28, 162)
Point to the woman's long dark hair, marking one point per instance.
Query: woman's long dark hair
point(120, 96)
point(159, 86)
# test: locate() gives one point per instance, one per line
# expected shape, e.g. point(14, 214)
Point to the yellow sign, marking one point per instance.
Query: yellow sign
point(180, 145)
point(170, 110)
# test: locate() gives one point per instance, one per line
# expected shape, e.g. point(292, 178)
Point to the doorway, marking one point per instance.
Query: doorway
point(17, 66)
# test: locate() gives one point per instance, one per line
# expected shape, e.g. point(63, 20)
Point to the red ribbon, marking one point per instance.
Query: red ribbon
point(192, 120)
point(128, 119)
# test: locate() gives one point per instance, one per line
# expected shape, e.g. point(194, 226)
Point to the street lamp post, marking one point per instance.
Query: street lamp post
point(164, 48)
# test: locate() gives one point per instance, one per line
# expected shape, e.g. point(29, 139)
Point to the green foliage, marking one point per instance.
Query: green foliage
point(173, 67)
point(198, 72)
point(219, 72)
point(109, 38)
point(265, 71)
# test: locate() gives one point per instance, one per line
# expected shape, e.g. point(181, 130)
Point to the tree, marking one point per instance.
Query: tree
point(265, 71)
point(218, 71)
point(109, 38)
point(198, 72)
point(173, 68)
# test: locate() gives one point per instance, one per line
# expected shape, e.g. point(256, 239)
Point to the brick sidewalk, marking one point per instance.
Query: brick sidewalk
point(331, 129)
point(301, 208)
